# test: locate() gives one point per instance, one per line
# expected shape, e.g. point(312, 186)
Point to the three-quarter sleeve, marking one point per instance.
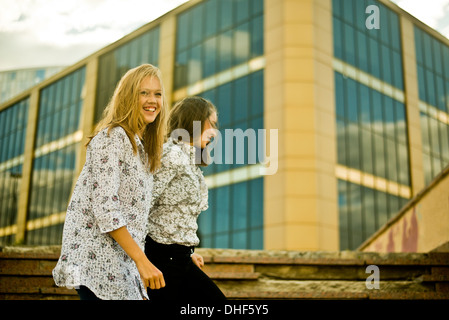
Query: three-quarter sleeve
point(106, 160)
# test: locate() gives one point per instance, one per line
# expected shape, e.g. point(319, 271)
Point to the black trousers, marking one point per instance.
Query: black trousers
point(184, 281)
point(85, 294)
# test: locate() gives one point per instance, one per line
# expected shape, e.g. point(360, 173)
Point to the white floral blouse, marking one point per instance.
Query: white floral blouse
point(112, 191)
point(179, 195)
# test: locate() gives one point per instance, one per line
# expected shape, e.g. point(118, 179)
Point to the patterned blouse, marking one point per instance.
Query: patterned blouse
point(112, 191)
point(179, 195)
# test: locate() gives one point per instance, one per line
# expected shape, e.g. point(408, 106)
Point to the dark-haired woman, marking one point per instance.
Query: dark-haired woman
point(180, 194)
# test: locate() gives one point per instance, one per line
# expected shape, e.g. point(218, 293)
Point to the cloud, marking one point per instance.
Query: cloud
point(32, 31)
point(435, 15)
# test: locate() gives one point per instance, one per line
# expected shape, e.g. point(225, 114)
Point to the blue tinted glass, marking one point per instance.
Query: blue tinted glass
point(418, 46)
point(197, 27)
point(257, 36)
point(445, 53)
point(427, 46)
point(225, 14)
point(440, 93)
point(239, 206)
point(256, 239)
point(374, 58)
point(430, 85)
point(211, 18)
point(348, 11)
point(240, 104)
point(336, 7)
point(401, 125)
point(377, 111)
point(436, 50)
point(394, 31)
point(181, 69)
point(421, 83)
point(392, 159)
point(256, 94)
point(223, 209)
point(397, 71)
point(338, 41)
point(224, 105)
point(386, 64)
point(257, 6)
point(385, 30)
point(242, 10)
point(379, 155)
point(341, 142)
point(210, 57)
point(349, 44)
point(351, 100)
point(225, 50)
point(239, 240)
point(362, 51)
point(256, 203)
point(354, 152)
point(339, 95)
point(366, 151)
point(365, 106)
point(195, 72)
point(241, 44)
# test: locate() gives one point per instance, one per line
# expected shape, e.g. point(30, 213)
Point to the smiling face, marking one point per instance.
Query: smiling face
point(150, 98)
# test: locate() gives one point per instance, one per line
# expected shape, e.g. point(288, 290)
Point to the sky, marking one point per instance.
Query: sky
point(36, 33)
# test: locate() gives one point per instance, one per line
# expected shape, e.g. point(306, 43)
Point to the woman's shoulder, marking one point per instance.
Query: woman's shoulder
point(172, 153)
point(109, 136)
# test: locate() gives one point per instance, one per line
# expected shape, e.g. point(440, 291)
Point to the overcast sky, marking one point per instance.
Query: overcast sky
point(35, 33)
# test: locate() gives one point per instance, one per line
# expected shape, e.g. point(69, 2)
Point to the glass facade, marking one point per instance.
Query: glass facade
point(374, 51)
point(217, 35)
point(114, 64)
point(53, 174)
point(371, 126)
point(13, 123)
point(432, 59)
point(235, 215)
point(219, 54)
point(14, 82)
point(212, 37)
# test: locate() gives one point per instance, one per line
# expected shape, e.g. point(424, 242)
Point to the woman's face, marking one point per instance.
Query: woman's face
point(150, 98)
point(209, 132)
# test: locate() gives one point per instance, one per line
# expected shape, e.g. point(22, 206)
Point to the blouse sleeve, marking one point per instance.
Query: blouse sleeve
point(106, 156)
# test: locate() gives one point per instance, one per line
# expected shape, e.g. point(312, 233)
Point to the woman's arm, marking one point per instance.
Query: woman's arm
point(151, 276)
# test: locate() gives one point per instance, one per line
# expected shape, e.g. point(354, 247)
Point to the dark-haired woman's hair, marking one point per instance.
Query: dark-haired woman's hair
point(183, 115)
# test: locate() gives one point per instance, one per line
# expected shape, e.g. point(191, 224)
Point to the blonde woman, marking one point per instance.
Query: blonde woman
point(102, 253)
point(180, 194)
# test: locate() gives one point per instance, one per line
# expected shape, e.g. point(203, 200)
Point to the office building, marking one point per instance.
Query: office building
point(357, 92)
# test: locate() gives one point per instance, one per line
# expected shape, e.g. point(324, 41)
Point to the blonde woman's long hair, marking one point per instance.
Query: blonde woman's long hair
point(124, 110)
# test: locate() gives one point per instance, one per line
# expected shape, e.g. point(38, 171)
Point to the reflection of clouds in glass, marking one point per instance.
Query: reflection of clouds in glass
point(9, 192)
point(242, 44)
point(50, 191)
point(378, 154)
point(52, 180)
point(362, 211)
point(435, 145)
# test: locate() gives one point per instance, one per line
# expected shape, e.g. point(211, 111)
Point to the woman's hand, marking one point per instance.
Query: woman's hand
point(151, 276)
point(198, 260)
